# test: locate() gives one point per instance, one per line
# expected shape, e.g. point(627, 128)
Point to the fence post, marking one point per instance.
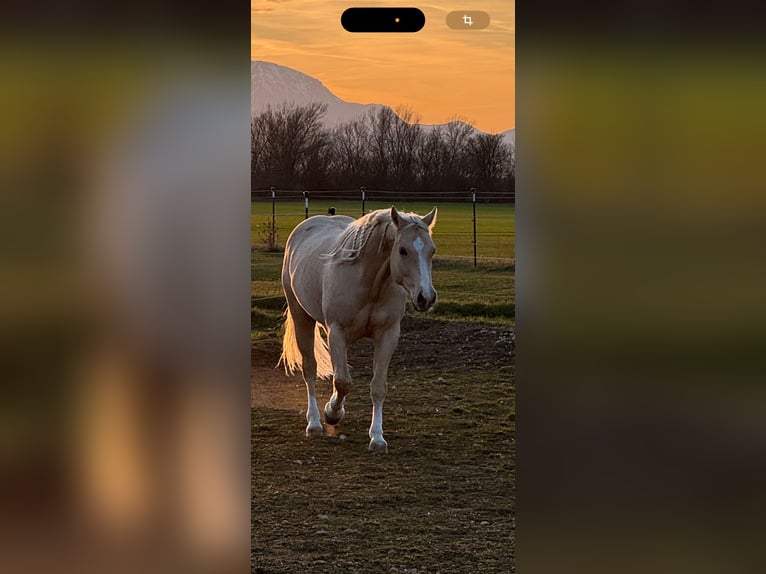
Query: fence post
point(362, 189)
point(473, 200)
point(273, 231)
point(306, 202)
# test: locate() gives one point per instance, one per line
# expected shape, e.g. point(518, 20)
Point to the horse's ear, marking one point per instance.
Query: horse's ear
point(430, 218)
point(395, 217)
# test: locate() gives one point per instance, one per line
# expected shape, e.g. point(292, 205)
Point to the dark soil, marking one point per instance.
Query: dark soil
point(442, 500)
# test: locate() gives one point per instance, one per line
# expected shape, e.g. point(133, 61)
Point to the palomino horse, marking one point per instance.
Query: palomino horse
point(352, 278)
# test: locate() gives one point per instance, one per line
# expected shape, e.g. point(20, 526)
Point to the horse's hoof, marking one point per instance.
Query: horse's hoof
point(314, 430)
point(331, 420)
point(379, 446)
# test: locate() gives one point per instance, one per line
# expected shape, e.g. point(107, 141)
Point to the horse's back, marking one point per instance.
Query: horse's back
point(304, 262)
point(316, 235)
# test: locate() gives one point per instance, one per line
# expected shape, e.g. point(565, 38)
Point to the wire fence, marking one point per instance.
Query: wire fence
point(362, 195)
point(472, 231)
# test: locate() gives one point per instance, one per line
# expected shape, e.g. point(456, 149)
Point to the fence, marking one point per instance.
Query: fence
point(472, 225)
point(362, 194)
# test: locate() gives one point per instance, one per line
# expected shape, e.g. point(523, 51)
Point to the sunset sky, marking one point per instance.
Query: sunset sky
point(438, 72)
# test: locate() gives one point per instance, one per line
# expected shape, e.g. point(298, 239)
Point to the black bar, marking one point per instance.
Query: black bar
point(382, 20)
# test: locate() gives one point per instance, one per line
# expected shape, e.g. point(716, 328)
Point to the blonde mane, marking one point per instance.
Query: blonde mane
point(369, 229)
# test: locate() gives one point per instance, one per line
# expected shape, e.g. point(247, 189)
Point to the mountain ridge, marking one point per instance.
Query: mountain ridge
point(273, 84)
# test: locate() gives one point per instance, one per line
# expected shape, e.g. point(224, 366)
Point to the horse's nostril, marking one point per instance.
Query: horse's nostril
point(421, 300)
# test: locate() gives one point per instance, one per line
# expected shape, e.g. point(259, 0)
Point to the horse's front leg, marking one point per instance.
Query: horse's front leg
point(385, 344)
point(341, 382)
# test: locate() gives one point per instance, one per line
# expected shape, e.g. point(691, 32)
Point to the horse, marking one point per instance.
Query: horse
point(351, 278)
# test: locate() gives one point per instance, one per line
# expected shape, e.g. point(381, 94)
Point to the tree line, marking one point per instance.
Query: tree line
point(384, 149)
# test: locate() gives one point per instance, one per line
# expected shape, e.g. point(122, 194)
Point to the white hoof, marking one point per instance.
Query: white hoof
point(333, 419)
point(378, 446)
point(314, 429)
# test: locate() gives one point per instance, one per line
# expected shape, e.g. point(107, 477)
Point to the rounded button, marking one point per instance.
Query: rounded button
point(468, 20)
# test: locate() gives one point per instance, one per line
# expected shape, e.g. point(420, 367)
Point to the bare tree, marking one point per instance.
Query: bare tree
point(258, 144)
point(294, 141)
point(457, 136)
point(430, 156)
point(351, 145)
point(487, 158)
point(381, 124)
point(406, 136)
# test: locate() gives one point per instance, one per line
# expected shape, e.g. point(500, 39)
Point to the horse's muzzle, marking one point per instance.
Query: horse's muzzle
point(423, 303)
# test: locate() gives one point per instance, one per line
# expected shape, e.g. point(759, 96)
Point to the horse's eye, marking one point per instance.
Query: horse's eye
point(402, 251)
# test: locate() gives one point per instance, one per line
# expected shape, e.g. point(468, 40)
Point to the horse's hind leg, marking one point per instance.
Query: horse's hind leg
point(304, 336)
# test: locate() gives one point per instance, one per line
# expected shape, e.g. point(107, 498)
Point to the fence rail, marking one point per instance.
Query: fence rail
point(364, 195)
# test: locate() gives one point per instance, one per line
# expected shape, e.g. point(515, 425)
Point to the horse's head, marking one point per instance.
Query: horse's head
point(411, 256)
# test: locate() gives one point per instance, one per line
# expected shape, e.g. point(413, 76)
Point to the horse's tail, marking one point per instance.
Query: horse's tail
point(322, 353)
point(291, 356)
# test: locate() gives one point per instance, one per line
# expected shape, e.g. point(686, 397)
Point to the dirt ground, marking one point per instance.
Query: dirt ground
point(442, 500)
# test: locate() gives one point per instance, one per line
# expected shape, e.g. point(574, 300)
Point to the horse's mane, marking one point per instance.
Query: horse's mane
point(370, 229)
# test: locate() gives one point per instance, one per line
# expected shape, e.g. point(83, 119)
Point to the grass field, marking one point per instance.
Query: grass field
point(495, 224)
point(443, 499)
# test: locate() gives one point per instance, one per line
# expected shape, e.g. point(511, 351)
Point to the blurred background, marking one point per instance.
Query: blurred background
point(124, 287)
point(640, 289)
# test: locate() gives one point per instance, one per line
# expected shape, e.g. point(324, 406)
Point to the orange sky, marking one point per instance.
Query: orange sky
point(438, 72)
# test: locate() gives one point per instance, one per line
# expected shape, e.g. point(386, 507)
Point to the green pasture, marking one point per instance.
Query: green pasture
point(482, 293)
point(453, 234)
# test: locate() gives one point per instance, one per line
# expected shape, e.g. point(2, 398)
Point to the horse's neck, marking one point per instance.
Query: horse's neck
point(377, 270)
point(382, 278)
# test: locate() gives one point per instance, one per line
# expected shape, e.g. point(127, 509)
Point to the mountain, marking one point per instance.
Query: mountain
point(273, 85)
